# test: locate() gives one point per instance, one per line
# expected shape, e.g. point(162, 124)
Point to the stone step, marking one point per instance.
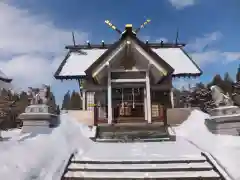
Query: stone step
point(143, 175)
point(35, 123)
point(157, 160)
point(131, 127)
point(133, 135)
point(160, 139)
point(202, 166)
point(165, 167)
point(137, 131)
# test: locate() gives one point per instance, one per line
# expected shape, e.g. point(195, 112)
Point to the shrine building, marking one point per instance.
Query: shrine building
point(129, 80)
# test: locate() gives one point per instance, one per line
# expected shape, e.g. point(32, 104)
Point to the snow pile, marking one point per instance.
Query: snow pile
point(41, 156)
point(225, 148)
point(89, 132)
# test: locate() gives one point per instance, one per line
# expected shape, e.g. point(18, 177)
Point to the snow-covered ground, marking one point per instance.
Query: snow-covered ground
point(40, 156)
point(44, 155)
point(142, 151)
point(225, 148)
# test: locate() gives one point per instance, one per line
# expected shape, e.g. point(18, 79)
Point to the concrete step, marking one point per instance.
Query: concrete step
point(202, 166)
point(157, 160)
point(135, 140)
point(184, 175)
point(130, 127)
point(131, 132)
point(170, 168)
point(132, 135)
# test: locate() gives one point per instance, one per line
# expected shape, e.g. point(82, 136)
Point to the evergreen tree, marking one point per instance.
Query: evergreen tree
point(58, 110)
point(78, 101)
point(200, 85)
point(176, 94)
point(238, 74)
point(52, 101)
point(66, 101)
point(23, 102)
point(217, 80)
point(227, 77)
point(4, 93)
point(228, 82)
point(75, 101)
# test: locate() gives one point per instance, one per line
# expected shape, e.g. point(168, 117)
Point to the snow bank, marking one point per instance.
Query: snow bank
point(225, 148)
point(41, 156)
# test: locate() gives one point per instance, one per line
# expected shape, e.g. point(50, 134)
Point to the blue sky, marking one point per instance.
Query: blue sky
point(36, 32)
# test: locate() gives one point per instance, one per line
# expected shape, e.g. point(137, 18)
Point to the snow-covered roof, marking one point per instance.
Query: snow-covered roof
point(75, 64)
point(4, 78)
point(178, 59)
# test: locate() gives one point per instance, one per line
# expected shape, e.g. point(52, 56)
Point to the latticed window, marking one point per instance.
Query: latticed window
point(90, 101)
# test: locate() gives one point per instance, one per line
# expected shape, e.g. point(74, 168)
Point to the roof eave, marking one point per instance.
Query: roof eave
point(200, 71)
point(56, 74)
point(75, 77)
point(189, 75)
point(107, 46)
point(7, 80)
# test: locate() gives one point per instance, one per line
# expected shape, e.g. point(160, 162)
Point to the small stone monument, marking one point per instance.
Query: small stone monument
point(219, 98)
point(39, 113)
point(225, 118)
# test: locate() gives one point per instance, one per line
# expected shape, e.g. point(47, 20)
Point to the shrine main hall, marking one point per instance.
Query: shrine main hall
point(129, 80)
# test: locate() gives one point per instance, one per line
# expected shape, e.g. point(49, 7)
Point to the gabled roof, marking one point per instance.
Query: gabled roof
point(141, 44)
point(83, 59)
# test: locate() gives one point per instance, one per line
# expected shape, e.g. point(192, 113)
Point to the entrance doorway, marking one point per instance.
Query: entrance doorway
point(128, 104)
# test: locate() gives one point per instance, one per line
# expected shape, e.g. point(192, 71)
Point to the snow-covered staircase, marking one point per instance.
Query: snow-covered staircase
point(188, 167)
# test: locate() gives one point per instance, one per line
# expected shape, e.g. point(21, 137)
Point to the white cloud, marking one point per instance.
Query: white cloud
point(212, 56)
point(202, 43)
point(181, 4)
point(203, 52)
point(203, 58)
point(231, 56)
point(31, 69)
point(26, 43)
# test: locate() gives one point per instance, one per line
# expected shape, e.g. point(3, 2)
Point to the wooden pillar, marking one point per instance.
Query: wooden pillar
point(165, 116)
point(148, 91)
point(82, 93)
point(145, 104)
point(109, 97)
point(84, 100)
point(172, 98)
point(95, 121)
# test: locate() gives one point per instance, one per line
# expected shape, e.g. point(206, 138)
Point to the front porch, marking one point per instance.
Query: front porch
point(130, 105)
point(129, 85)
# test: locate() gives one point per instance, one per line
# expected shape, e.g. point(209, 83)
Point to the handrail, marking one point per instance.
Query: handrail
point(217, 166)
point(214, 162)
point(68, 162)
